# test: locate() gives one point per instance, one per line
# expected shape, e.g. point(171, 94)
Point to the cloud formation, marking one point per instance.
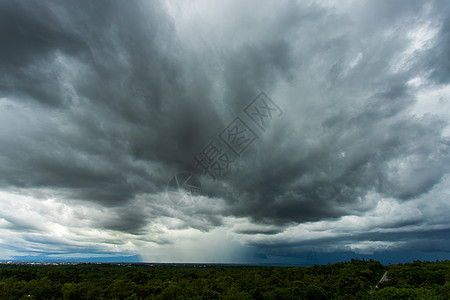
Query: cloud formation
point(101, 104)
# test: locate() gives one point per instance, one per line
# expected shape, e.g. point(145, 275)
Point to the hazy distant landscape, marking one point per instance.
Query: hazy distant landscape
point(355, 279)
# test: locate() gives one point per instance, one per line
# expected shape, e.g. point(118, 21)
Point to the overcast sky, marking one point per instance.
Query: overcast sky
point(330, 118)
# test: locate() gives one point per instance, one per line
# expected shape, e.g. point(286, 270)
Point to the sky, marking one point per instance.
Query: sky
point(255, 132)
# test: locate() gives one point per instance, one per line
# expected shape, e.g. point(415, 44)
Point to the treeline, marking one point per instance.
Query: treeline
point(347, 280)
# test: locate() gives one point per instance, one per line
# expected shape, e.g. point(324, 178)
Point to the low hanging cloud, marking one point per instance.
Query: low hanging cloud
point(101, 104)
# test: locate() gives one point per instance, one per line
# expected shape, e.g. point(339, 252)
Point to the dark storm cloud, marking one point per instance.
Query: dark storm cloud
point(30, 31)
point(125, 108)
point(424, 240)
point(113, 103)
point(357, 136)
point(30, 34)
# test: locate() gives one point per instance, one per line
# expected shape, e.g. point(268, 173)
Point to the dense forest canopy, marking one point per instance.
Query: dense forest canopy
point(356, 279)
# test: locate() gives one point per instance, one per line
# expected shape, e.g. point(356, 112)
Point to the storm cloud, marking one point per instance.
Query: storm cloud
point(101, 104)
